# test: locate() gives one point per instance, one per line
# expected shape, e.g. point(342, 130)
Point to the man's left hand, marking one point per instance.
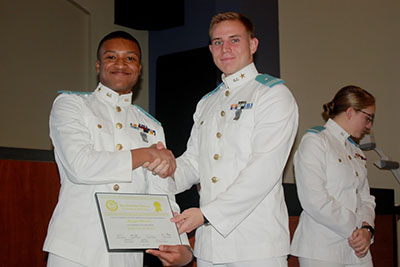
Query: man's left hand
point(188, 220)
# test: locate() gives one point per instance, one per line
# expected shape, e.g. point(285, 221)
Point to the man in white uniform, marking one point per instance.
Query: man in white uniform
point(241, 138)
point(100, 143)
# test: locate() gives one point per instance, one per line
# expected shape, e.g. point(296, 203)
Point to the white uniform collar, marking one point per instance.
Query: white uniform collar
point(240, 77)
point(111, 96)
point(337, 131)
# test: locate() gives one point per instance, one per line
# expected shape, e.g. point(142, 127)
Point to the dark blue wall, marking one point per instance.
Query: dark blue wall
point(194, 34)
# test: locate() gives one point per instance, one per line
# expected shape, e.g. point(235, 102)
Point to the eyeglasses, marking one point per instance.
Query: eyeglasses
point(370, 117)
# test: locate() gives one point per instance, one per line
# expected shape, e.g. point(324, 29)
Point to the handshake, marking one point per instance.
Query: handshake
point(161, 161)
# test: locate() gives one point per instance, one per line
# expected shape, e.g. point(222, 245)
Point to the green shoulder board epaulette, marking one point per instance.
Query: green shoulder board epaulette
point(268, 80)
point(212, 92)
point(73, 93)
point(148, 115)
point(316, 129)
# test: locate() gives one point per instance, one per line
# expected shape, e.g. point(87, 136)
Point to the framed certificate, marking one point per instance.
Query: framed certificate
point(134, 222)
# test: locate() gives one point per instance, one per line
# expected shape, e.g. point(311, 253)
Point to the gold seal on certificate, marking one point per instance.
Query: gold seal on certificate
point(136, 221)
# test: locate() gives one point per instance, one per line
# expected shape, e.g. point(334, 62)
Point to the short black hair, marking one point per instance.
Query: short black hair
point(116, 35)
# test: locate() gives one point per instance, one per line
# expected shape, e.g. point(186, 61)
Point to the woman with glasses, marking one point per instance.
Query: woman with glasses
point(336, 224)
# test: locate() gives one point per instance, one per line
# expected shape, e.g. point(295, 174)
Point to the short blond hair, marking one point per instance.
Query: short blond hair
point(220, 17)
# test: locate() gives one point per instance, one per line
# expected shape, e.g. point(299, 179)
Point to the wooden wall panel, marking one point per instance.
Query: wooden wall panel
point(28, 193)
point(384, 248)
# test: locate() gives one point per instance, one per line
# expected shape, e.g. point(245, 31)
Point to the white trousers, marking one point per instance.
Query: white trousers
point(273, 262)
point(56, 261)
point(305, 262)
point(115, 260)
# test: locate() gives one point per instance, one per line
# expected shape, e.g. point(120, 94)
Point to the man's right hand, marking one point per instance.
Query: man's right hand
point(163, 168)
point(156, 158)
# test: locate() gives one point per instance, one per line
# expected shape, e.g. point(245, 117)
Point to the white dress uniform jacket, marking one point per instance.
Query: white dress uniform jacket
point(92, 136)
point(241, 138)
point(333, 189)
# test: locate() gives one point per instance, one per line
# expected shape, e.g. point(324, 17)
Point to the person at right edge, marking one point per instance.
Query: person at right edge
point(336, 225)
point(241, 139)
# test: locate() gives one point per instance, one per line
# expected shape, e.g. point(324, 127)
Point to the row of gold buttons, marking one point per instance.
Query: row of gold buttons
point(118, 125)
point(119, 146)
point(219, 135)
point(340, 160)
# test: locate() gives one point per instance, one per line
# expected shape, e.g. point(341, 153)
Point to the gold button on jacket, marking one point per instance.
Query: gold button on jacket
point(116, 187)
